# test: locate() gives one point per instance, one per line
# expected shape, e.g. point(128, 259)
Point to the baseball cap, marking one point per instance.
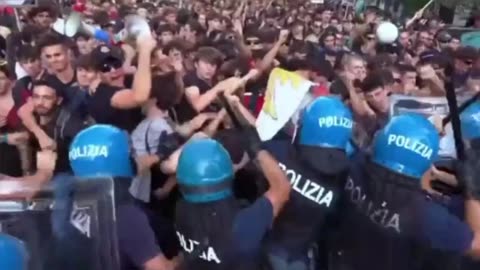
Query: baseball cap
point(107, 57)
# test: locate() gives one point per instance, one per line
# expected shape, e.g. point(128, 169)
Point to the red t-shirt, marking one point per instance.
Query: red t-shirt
point(5, 10)
point(320, 90)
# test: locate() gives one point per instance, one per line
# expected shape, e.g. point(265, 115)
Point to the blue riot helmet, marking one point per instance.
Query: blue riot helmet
point(325, 128)
point(326, 122)
point(101, 151)
point(13, 253)
point(351, 148)
point(408, 145)
point(470, 121)
point(204, 171)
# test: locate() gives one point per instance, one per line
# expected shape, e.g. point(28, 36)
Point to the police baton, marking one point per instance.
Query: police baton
point(454, 117)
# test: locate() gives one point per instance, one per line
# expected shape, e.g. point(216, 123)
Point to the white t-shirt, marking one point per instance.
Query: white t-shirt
point(19, 71)
point(141, 185)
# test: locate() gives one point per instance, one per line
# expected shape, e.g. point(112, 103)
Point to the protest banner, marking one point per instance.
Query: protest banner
point(285, 93)
point(428, 107)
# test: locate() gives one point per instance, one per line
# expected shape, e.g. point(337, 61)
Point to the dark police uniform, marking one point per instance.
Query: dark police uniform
point(392, 224)
point(219, 235)
point(312, 203)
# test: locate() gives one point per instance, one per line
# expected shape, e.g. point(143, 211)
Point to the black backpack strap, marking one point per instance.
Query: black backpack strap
point(62, 119)
point(147, 146)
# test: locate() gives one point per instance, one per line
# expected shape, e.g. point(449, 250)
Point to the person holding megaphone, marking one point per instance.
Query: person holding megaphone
point(107, 99)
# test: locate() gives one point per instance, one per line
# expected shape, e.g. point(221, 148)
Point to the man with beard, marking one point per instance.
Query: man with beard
point(56, 122)
point(109, 101)
point(316, 165)
point(62, 75)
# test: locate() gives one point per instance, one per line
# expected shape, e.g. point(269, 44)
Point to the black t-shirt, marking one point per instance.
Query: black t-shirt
point(100, 108)
point(58, 84)
point(191, 79)
point(76, 100)
point(184, 111)
point(63, 128)
point(128, 81)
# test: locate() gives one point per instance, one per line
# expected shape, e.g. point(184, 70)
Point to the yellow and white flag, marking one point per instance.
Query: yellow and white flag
point(285, 92)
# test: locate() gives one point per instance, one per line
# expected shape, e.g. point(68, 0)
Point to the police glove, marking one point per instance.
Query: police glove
point(167, 144)
point(252, 140)
point(470, 172)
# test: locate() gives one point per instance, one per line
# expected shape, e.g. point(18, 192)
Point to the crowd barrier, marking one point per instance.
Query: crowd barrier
point(68, 224)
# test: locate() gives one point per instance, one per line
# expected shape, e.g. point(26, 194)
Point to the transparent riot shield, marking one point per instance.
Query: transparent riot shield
point(70, 225)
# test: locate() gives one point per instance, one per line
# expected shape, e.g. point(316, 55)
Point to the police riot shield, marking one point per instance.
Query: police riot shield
point(67, 224)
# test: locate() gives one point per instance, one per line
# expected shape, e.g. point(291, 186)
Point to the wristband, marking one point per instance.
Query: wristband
point(4, 138)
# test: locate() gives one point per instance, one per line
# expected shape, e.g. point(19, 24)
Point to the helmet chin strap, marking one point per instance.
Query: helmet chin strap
point(381, 174)
point(328, 163)
point(324, 166)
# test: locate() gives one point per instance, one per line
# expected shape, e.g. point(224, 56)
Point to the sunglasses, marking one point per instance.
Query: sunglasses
point(111, 66)
point(252, 42)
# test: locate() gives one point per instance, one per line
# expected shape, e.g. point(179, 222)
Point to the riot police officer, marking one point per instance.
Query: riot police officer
point(390, 222)
point(104, 151)
point(316, 165)
point(13, 254)
point(212, 229)
point(469, 172)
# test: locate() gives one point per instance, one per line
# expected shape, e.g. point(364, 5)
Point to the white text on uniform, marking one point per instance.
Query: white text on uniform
point(189, 245)
point(307, 188)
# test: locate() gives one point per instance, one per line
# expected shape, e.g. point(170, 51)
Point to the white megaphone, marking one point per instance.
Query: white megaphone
point(135, 27)
point(73, 24)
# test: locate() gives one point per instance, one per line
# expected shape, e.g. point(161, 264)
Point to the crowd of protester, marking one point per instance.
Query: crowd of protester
point(165, 88)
